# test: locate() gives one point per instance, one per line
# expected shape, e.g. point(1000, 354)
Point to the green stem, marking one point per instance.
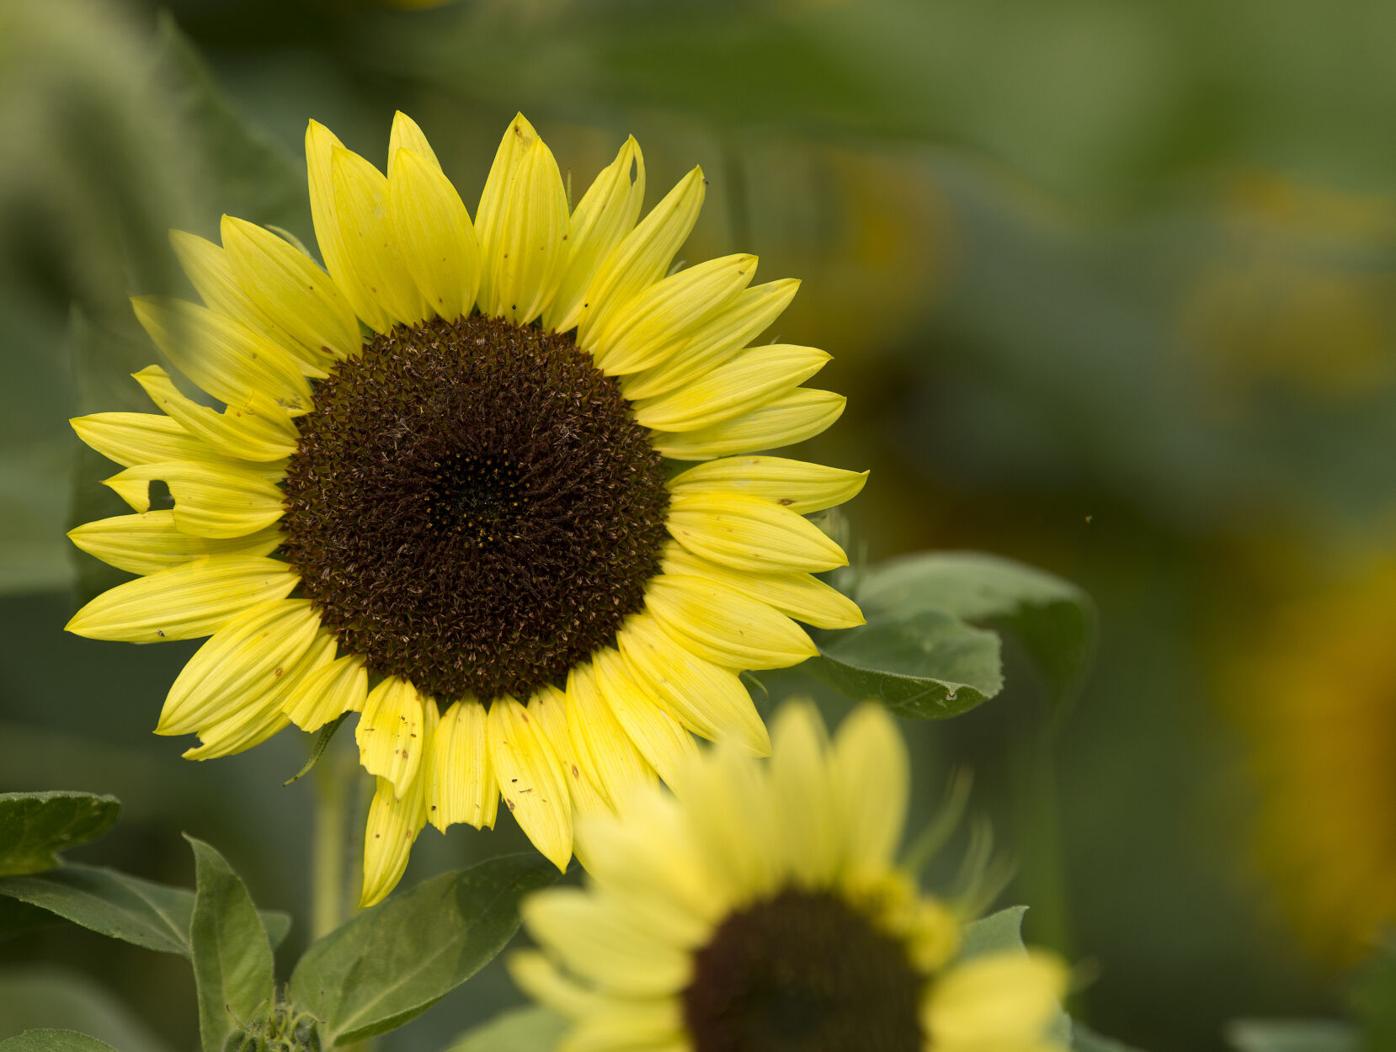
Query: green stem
point(327, 876)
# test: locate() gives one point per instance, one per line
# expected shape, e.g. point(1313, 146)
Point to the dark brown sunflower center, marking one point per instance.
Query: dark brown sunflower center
point(802, 972)
point(472, 507)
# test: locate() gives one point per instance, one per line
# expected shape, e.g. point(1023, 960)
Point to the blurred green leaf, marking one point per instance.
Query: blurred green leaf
point(233, 968)
point(34, 827)
point(926, 664)
point(996, 933)
point(519, 1030)
point(115, 904)
point(391, 963)
point(1054, 620)
point(38, 996)
point(1305, 1035)
point(53, 1041)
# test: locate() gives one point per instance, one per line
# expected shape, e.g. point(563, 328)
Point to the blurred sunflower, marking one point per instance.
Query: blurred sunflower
point(790, 929)
point(459, 522)
point(1316, 701)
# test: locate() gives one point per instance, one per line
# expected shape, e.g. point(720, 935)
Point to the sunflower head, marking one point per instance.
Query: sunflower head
point(760, 908)
point(439, 489)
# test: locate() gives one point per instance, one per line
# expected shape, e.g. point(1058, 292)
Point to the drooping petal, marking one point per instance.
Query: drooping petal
point(138, 438)
point(642, 257)
point(240, 665)
point(791, 418)
point(463, 787)
point(758, 376)
point(726, 627)
point(799, 595)
point(605, 214)
point(254, 428)
point(434, 233)
point(873, 779)
point(655, 323)
point(148, 542)
point(605, 750)
point(296, 295)
point(393, 824)
point(660, 738)
point(336, 687)
point(716, 341)
point(530, 781)
point(211, 499)
point(391, 731)
point(185, 602)
point(750, 533)
point(794, 484)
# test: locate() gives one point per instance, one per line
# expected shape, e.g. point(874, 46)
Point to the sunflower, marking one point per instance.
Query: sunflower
point(438, 493)
point(760, 908)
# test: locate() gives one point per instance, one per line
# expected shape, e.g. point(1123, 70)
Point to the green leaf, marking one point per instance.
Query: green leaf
point(518, 1030)
point(997, 933)
point(1305, 1035)
point(1054, 620)
point(34, 827)
point(1083, 1039)
point(391, 963)
point(233, 969)
point(318, 747)
point(929, 664)
point(120, 906)
point(53, 1041)
point(36, 996)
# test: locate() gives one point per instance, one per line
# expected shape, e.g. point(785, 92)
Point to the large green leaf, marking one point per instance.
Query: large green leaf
point(1300, 1035)
point(1054, 620)
point(36, 997)
point(34, 827)
point(121, 906)
point(927, 664)
point(233, 968)
point(518, 1030)
point(391, 963)
point(53, 1041)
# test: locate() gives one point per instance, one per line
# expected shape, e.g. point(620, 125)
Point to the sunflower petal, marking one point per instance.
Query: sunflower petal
point(462, 786)
point(326, 693)
point(724, 626)
point(604, 749)
point(138, 438)
point(758, 376)
point(393, 824)
point(660, 738)
point(655, 323)
point(210, 271)
point(255, 428)
point(185, 602)
point(287, 287)
point(642, 257)
point(791, 418)
point(750, 533)
point(799, 595)
point(148, 542)
point(391, 731)
point(408, 135)
point(1001, 1000)
point(433, 230)
point(801, 782)
point(211, 499)
point(873, 777)
point(240, 665)
point(548, 707)
point(530, 781)
point(605, 214)
point(794, 484)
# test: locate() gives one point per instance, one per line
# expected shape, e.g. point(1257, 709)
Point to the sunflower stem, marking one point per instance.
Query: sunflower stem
point(328, 847)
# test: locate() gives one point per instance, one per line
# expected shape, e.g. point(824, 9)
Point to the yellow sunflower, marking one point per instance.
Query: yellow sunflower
point(438, 493)
point(760, 909)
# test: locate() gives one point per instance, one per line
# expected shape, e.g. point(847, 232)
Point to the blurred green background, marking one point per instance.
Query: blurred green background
point(1109, 286)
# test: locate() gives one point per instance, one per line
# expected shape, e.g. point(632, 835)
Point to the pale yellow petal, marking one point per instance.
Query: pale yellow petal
point(184, 602)
point(1003, 1000)
point(874, 779)
point(523, 225)
point(434, 234)
point(241, 665)
point(794, 484)
point(755, 377)
point(336, 687)
point(393, 824)
point(653, 1025)
point(657, 321)
point(254, 428)
point(724, 626)
point(604, 749)
point(804, 788)
point(391, 731)
point(548, 707)
point(605, 214)
point(210, 270)
point(320, 144)
point(717, 340)
point(288, 288)
point(222, 356)
point(750, 533)
point(791, 418)
point(148, 542)
point(138, 438)
point(707, 698)
point(463, 787)
point(536, 976)
point(374, 261)
point(660, 738)
point(211, 499)
point(530, 780)
point(799, 595)
point(642, 257)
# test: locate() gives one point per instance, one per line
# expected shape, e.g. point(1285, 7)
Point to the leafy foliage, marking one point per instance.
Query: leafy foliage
point(519, 1030)
point(1303, 1035)
point(53, 1041)
point(34, 827)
